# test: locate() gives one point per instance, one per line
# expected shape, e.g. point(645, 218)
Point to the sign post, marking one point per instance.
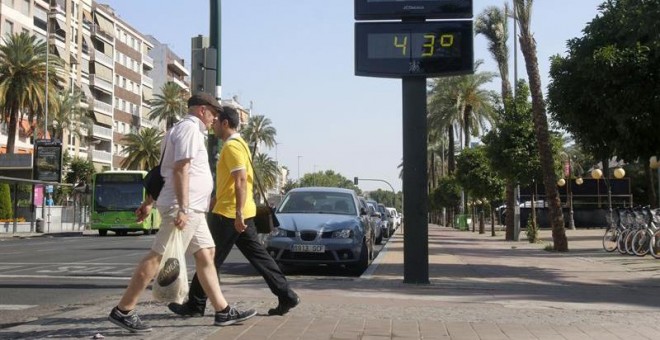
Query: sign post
point(413, 49)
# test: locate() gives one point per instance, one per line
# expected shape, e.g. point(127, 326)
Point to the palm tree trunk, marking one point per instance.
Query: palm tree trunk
point(467, 112)
point(450, 153)
point(528, 47)
point(11, 135)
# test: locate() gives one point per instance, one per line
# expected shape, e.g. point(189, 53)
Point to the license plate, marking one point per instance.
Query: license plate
point(309, 248)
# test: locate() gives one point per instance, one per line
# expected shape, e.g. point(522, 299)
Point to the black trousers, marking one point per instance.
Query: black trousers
point(225, 236)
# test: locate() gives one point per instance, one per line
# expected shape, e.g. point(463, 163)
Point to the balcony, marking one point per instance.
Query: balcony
point(148, 61)
point(102, 156)
point(102, 132)
point(147, 81)
point(96, 31)
point(181, 83)
point(102, 58)
point(178, 67)
point(100, 83)
point(103, 107)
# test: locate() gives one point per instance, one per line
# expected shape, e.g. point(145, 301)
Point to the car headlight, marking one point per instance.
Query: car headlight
point(344, 233)
point(279, 233)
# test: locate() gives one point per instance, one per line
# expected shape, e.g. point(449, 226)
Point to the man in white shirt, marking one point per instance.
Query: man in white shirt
point(182, 204)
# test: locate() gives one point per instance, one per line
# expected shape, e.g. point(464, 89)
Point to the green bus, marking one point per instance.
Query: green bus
point(115, 197)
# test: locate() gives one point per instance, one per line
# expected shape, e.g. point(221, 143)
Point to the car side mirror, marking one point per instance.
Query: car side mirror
point(376, 214)
point(363, 211)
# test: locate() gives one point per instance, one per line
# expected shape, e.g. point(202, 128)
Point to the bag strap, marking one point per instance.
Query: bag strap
point(254, 173)
point(167, 138)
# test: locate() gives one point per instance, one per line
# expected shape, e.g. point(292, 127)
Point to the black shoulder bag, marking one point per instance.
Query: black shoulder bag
point(265, 220)
point(153, 182)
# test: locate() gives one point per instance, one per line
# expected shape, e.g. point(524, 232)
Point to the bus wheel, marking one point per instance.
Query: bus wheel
point(154, 231)
point(103, 232)
point(146, 232)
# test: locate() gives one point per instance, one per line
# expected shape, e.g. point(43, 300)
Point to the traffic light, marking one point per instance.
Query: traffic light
point(203, 78)
point(355, 180)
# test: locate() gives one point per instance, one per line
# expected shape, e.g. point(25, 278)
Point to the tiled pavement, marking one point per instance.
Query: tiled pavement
point(481, 287)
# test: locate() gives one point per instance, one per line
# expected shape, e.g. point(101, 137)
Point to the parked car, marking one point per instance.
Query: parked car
point(375, 220)
point(322, 226)
point(388, 227)
point(371, 217)
point(379, 218)
point(395, 220)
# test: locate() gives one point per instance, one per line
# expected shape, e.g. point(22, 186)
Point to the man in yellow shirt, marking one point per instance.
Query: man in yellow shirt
point(232, 220)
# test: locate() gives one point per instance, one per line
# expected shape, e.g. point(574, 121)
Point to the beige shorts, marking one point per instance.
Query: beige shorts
point(196, 234)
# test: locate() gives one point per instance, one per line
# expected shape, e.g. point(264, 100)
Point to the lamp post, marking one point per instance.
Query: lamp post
point(299, 157)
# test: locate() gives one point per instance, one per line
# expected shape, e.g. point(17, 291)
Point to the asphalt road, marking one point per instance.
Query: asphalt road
point(41, 276)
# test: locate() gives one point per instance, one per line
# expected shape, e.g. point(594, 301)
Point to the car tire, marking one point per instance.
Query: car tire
point(379, 239)
point(363, 263)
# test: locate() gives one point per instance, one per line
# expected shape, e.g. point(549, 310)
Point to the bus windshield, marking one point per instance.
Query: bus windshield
point(118, 192)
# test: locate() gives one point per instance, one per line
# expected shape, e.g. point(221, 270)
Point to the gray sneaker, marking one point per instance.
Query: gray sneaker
point(233, 316)
point(130, 321)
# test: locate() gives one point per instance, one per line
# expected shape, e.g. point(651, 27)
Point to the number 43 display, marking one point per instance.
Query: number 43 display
point(399, 49)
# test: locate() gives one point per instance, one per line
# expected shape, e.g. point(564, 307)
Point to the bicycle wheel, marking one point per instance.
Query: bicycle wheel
point(629, 242)
point(609, 239)
point(640, 242)
point(621, 241)
point(654, 245)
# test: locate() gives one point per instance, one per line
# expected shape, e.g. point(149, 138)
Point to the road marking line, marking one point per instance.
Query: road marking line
point(64, 277)
point(16, 307)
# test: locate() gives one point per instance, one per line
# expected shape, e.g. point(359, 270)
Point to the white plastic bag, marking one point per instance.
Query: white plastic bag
point(171, 283)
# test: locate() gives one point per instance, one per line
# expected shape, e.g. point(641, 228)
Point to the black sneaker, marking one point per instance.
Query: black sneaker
point(233, 316)
point(284, 306)
point(130, 321)
point(184, 309)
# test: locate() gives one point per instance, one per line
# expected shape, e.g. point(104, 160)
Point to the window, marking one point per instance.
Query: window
point(25, 9)
point(8, 27)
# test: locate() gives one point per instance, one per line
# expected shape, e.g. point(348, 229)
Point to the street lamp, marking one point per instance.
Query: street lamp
point(299, 157)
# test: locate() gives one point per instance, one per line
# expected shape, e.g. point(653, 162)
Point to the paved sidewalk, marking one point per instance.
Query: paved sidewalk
point(481, 287)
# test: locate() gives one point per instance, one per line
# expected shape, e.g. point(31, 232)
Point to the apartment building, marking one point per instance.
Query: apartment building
point(107, 59)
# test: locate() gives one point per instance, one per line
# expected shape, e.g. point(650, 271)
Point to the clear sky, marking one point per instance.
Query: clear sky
point(294, 60)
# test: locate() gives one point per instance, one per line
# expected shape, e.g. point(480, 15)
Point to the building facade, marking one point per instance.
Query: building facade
point(107, 60)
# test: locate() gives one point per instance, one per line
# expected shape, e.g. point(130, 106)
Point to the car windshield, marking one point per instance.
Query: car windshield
point(315, 202)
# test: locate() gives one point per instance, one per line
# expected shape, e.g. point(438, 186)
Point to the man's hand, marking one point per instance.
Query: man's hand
point(143, 211)
point(239, 224)
point(180, 220)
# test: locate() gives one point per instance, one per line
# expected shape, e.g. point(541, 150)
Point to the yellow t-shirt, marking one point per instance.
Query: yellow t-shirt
point(234, 155)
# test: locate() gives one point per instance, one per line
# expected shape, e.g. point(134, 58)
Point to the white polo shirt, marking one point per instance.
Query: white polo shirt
point(186, 140)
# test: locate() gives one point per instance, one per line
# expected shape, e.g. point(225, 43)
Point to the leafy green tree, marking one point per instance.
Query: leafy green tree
point(23, 71)
point(605, 90)
point(290, 184)
point(6, 211)
point(528, 47)
point(446, 195)
point(169, 105)
point(387, 198)
point(142, 149)
point(259, 129)
point(327, 178)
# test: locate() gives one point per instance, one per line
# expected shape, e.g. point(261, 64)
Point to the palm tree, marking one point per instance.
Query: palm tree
point(493, 24)
point(476, 103)
point(142, 149)
point(170, 105)
point(444, 114)
point(68, 115)
point(259, 130)
point(23, 71)
point(528, 47)
point(266, 170)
